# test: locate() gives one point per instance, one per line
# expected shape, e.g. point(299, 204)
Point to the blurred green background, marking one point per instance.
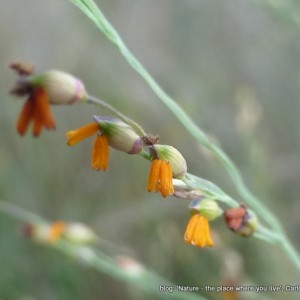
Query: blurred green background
point(233, 65)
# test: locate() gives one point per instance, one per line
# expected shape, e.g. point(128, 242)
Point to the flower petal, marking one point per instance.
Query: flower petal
point(43, 110)
point(26, 116)
point(166, 184)
point(77, 135)
point(153, 180)
point(100, 156)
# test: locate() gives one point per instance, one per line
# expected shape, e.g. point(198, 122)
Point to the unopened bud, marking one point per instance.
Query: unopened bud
point(38, 232)
point(130, 266)
point(120, 135)
point(172, 155)
point(61, 87)
point(241, 220)
point(182, 190)
point(79, 233)
point(206, 207)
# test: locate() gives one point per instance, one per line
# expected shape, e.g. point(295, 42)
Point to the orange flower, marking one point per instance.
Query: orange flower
point(160, 178)
point(56, 231)
point(100, 154)
point(37, 110)
point(198, 232)
point(77, 135)
point(42, 90)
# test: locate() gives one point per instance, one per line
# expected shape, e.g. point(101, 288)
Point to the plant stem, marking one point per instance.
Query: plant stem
point(138, 129)
point(19, 213)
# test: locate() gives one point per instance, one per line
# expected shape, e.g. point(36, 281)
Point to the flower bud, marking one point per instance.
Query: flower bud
point(61, 87)
point(241, 220)
point(250, 225)
point(79, 233)
point(206, 207)
point(120, 135)
point(38, 232)
point(181, 190)
point(129, 265)
point(172, 155)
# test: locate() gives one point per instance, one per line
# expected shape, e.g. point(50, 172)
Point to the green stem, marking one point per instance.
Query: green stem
point(138, 129)
point(19, 213)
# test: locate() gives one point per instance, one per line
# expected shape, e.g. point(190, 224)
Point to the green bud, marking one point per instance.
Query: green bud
point(206, 207)
point(172, 155)
point(38, 232)
point(61, 87)
point(120, 135)
point(79, 233)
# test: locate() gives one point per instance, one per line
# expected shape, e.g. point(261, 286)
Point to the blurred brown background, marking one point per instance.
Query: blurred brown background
point(233, 65)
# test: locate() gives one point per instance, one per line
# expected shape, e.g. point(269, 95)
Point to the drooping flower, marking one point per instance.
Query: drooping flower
point(160, 178)
point(110, 132)
point(42, 90)
point(100, 154)
point(167, 163)
point(198, 231)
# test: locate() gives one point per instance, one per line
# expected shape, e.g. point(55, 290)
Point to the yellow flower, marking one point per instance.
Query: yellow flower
point(100, 154)
point(198, 232)
point(160, 178)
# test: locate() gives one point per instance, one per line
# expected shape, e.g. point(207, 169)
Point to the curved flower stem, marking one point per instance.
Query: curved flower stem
point(138, 129)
